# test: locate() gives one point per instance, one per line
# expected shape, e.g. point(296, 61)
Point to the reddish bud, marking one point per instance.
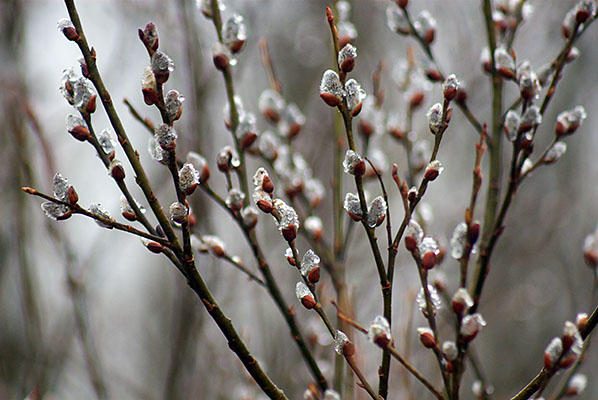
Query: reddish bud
point(308, 302)
point(416, 99)
point(428, 260)
point(80, 133)
point(154, 247)
point(267, 184)
point(330, 99)
point(71, 195)
point(289, 232)
point(426, 337)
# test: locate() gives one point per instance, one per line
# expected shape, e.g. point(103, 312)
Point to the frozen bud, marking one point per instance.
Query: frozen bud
point(450, 350)
point(461, 301)
point(63, 190)
point(314, 191)
point(174, 105)
point(426, 337)
point(271, 105)
point(379, 332)
point(314, 226)
point(567, 122)
point(485, 60)
point(481, 391)
point(116, 170)
point(227, 159)
point(552, 352)
point(504, 63)
point(292, 121)
point(511, 125)
point(57, 212)
point(149, 37)
point(68, 29)
point(263, 200)
point(249, 216)
point(459, 241)
point(157, 152)
point(412, 194)
point(235, 199)
point(396, 20)
point(353, 207)
point(221, 56)
point(127, 211)
point(234, 33)
point(77, 127)
point(571, 337)
point(200, 164)
point(584, 10)
point(83, 97)
point(149, 87)
point(568, 24)
point(354, 95)
point(435, 118)
point(581, 320)
point(226, 110)
point(331, 88)
point(527, 166)
point(429, 251)
point(162, 66)
point(246, 130)
point(213, 245)
point(346, 57)
point(288, 222)
point(555, 152)
point(435, 302)
point(450, 87)
point(376, 212)
point(262, 180)
point(330, 394)
point(353, 163)
point(529, 85)
point(305, 296)
point(99, 211)
point(178, 212)
point(413, 235)
point(433, 170)
point(342, 345)
point(288, 253)
point(310, 266)
point(166, 137)
point(577, 384)
point(530, 119)
point(572, 55)
point(425, 26)
point(107, 143)
point(188, 178)
point(67, 85)
point(471, 326)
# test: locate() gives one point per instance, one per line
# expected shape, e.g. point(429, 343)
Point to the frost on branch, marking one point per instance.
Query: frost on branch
point(99, 211)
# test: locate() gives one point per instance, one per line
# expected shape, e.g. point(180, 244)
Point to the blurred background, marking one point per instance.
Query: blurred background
point(85, 310)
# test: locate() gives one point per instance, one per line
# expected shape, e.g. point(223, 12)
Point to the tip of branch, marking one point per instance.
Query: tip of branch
point(329, 15)
point(28, 190)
